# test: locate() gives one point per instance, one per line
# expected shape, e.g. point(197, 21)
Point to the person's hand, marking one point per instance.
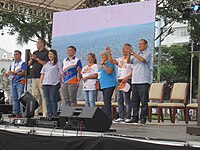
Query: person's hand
point(34, 57)
point(79, 69)
point(124, 80)
point(102, 62)
point(5, 75)
point(84, 79)
point(108, 49)
point(12, 73)
point(41, 85)
point(130, 50)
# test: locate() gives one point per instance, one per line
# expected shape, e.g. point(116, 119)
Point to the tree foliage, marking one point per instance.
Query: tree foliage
point(180, 11)
point(175, 65)
point(26, 27)
point(175, 62)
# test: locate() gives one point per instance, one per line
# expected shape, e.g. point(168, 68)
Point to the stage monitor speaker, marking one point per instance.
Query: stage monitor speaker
point(85, 118)
point(30, 104)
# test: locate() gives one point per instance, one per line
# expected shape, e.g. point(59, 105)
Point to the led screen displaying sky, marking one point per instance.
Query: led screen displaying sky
point(91, 30)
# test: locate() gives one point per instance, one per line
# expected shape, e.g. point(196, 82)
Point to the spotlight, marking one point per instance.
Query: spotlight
point(196, 8)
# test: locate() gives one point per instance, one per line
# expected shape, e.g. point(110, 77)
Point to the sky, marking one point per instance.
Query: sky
point(8, 43)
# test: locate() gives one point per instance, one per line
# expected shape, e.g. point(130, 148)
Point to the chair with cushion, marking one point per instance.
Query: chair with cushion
point(156, 91)
point(193, 106)
point(178, 100)
point(81, 103)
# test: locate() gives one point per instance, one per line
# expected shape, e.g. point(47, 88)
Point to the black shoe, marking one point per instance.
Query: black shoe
point(143, 121)
point(132, 121)
point(12, 116)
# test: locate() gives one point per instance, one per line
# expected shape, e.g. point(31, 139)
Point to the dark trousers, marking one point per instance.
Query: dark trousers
point(107, 97)
point(50, 93)
point(140, 95)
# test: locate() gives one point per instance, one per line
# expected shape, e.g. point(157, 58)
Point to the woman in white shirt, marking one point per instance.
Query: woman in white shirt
point(50, 79)
point(89, 77)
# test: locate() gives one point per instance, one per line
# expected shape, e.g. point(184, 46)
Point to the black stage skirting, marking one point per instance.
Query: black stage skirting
point(17, 141)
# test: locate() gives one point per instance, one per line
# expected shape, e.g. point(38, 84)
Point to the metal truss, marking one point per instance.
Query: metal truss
point(41, 11)
point(92, 3)
point(26, 9)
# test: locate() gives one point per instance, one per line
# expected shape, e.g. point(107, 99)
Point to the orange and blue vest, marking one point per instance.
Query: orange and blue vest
point(16, 67)
point(70, 70)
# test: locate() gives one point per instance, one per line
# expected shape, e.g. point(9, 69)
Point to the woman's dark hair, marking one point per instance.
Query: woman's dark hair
point(73, 47)
point(127, 44)
point(55, 56)
point(94, 57)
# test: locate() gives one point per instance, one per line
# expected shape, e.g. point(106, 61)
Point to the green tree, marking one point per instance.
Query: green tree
point(175, 62)
point(180, 11)
point(175, 65)
point(26, 27)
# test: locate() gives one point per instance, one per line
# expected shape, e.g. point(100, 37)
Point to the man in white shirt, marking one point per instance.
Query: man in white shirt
point(141, 78)
point(123, 77)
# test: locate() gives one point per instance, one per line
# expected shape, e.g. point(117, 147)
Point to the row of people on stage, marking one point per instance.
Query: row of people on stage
point(47, 78)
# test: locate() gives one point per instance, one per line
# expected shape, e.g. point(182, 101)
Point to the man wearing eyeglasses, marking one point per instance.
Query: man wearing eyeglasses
point(141, 78)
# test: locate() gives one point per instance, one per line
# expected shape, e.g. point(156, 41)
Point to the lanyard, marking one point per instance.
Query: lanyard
point(87, 69)
point(16, 64)
point(122, 64)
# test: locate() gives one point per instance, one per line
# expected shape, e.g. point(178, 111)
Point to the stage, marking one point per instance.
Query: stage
point(150, 136)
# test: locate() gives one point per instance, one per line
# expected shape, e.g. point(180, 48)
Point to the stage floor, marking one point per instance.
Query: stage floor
point(154, 131)
point(159, 131)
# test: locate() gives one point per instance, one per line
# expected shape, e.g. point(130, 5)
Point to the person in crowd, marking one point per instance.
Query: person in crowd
point(89, 77)
point(123, 77)
point(50, 79)
point(17, 75)
point(141, 78)
point(37, 60)
point(107, 81)
point(71, 72)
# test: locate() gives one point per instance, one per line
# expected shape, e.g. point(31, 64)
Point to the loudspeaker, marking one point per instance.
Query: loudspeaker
point(85, 118)
point(30, 104)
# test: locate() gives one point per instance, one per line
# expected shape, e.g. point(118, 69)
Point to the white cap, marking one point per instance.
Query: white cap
point(124, 87)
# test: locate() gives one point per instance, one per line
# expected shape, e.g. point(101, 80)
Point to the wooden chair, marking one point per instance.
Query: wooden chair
point(193, 106)
point(178, 100)
point(81, 103)
point(156, 91)
point(114, 109)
